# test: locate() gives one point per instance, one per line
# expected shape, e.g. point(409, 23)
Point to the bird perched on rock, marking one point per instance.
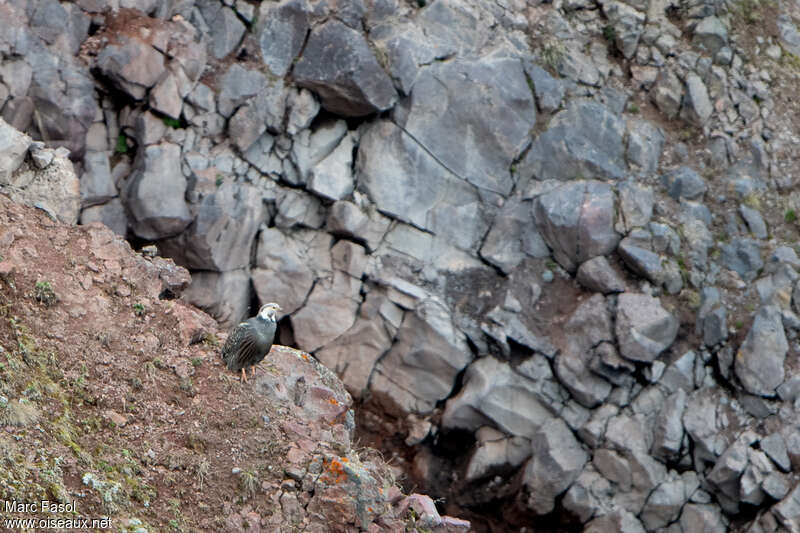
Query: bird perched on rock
point(249, 342)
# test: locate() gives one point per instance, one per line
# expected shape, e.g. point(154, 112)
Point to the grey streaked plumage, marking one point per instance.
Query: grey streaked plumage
point(249, 342)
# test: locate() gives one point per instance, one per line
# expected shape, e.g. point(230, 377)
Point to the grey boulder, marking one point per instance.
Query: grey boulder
point(13, 149)
point(684, 183)
point(155, 193)
point(493, 393)
point(577, 221)
point(223, 295)
point(97, 185)
point(221, 237)
point(281, 31)
point(132, 64)
point(332, 177)
point(513, 237)
point(112, 214)
point(339, 66)
point(421, 368)
point(759, 361)
point(287, 263)
point(583, 141)
point(644, 328)
point(473, 125)
point(557, 460)
point(406, 182)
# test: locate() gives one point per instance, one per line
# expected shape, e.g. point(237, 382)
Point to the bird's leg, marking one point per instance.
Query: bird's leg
point(253, 373)
point(244, 375)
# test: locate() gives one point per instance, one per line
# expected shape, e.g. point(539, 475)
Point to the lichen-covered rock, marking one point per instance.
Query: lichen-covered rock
point(54, 189)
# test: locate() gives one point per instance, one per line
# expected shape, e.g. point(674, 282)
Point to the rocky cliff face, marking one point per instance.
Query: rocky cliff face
point(551, 244)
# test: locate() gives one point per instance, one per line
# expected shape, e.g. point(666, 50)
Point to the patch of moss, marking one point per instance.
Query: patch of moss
point(122, 144)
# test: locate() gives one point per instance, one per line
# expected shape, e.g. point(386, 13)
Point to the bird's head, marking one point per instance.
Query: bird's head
point(269, 312)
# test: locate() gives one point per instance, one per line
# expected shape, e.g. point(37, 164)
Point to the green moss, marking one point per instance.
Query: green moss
point(172, 122)
point(122, 144)
point(790, 216)
point(609, 33)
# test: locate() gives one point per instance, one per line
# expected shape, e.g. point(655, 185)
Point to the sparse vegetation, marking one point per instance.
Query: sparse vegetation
point(187, 386)
point(633, 107)
point(19, 413)
point(609, 33)
point(790, 216)
point(201, 472)
point(139, 309)
point(122, 144)
point(210, 339)
point(44, 294)
point(553, 55)
point(104, 338)
point(196, 361)
point(248, 484)
point(172, 122)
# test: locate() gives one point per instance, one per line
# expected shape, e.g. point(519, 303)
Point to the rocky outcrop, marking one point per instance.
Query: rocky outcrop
point(532, 224)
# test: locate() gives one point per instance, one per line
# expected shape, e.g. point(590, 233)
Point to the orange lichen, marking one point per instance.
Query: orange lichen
point(335, 471)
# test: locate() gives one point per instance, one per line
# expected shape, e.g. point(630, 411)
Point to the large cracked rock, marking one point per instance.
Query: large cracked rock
point(557, 460)
point(644, 327)
point(155, 193)
point(409, 184)
point(494, 393)
point(576, 221)
point(513, 237)
point(338, 65)
point(221, 236)
point(583, 141)
point(132, 64)
point(759, 361)
point(421, 368)
point(480, 128)
point(588, 326)
point(287, 263)
point(223, 295)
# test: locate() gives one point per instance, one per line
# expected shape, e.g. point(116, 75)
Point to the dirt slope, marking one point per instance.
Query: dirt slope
point(112, 396)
